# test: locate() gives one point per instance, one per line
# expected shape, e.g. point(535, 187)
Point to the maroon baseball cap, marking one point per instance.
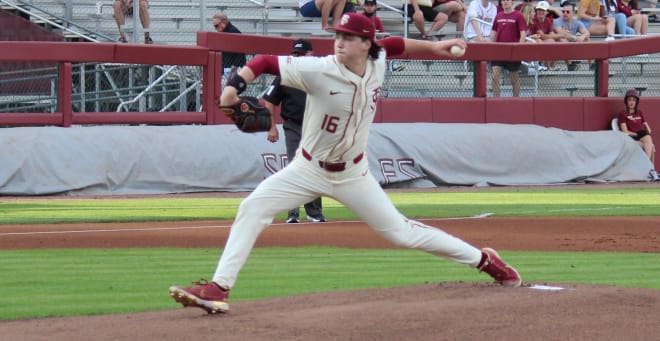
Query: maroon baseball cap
point(355, 24)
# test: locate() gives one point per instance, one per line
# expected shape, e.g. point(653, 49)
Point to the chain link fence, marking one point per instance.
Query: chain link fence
point(99, 87)
point(103, 87)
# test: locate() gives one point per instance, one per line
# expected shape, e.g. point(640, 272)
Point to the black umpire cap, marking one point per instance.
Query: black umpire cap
point(302, 46)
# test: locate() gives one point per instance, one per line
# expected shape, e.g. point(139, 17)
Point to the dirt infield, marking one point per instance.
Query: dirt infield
point(439, 311)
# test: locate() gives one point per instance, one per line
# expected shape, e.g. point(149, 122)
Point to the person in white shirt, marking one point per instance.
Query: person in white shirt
point(484, 12)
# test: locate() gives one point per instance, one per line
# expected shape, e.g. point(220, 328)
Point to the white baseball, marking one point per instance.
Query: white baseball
point(457, 51)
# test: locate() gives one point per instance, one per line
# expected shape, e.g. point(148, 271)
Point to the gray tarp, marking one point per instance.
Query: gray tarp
point(172, 159)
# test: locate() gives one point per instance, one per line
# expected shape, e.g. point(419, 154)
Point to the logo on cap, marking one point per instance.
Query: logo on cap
point(344, 19)
point(355, 24)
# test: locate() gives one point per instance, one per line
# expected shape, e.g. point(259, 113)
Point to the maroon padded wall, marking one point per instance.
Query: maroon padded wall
point(569, 113)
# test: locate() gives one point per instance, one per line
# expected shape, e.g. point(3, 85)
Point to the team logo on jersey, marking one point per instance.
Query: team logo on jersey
point(376, 92)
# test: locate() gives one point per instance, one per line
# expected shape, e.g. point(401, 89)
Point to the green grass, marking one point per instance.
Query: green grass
point(81, 282)
point(543, 202)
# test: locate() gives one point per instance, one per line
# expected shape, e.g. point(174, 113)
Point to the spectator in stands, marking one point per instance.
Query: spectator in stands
point(351, 6)
point(292, 110)
point(420, 11)
point(542, 23)
point(570, 30)
point(124, 8)
point(485, 12)
point(634, 18)
point(322, 9)
point(509, 27)
point(553, 12)
point(592, 15)
point(369, 9)
point(620, 24)
point(527, 10)
point(519, 6)
point(632, 122)
point(455, 11)
point(541, 28)
point(231, 61)
point(652, 4)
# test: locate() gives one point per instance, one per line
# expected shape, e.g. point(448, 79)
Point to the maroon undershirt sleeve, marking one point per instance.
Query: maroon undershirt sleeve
point(264, 64)
point(393, 45)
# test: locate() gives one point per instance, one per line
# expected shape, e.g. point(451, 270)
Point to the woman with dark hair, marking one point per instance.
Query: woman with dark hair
point(633, 123)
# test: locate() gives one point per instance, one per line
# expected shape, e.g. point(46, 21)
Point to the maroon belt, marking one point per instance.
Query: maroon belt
point(330, 166)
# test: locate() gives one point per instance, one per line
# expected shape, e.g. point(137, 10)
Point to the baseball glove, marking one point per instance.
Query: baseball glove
point(248, 115)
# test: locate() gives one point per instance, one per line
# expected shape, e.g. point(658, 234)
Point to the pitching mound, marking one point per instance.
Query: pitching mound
point(445, 311)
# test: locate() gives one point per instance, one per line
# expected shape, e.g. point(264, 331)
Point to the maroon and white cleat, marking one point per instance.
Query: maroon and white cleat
point(204, 294)
point(503, 273)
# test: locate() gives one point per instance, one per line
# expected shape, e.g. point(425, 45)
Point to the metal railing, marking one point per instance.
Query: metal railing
point(55, 20)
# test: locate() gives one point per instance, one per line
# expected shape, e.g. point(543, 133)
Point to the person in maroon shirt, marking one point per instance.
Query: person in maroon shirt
point(541, 28)
point(633, 123)
point(369, 9)
point(553, 12)
point(541, 25)
point(634, 18)
point(508, 27)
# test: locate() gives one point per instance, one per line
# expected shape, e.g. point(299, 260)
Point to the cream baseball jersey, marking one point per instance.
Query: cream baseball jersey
point(340, 104)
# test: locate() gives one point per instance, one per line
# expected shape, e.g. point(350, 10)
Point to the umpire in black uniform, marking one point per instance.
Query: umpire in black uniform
point(293, 107)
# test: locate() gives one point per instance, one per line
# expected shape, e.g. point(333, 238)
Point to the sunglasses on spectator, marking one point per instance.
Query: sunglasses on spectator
point(566, 11)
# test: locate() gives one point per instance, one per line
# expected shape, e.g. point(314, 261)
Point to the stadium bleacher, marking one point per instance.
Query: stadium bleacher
point(177, 22)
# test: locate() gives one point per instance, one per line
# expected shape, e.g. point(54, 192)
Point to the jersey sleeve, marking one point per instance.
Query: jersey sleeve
point(295, 71)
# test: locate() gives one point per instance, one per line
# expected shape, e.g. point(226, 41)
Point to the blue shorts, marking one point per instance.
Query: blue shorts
point(586, 23)
point(309, 10)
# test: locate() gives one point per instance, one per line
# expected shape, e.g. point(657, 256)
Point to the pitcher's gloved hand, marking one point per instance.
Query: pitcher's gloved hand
point(248, 115)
